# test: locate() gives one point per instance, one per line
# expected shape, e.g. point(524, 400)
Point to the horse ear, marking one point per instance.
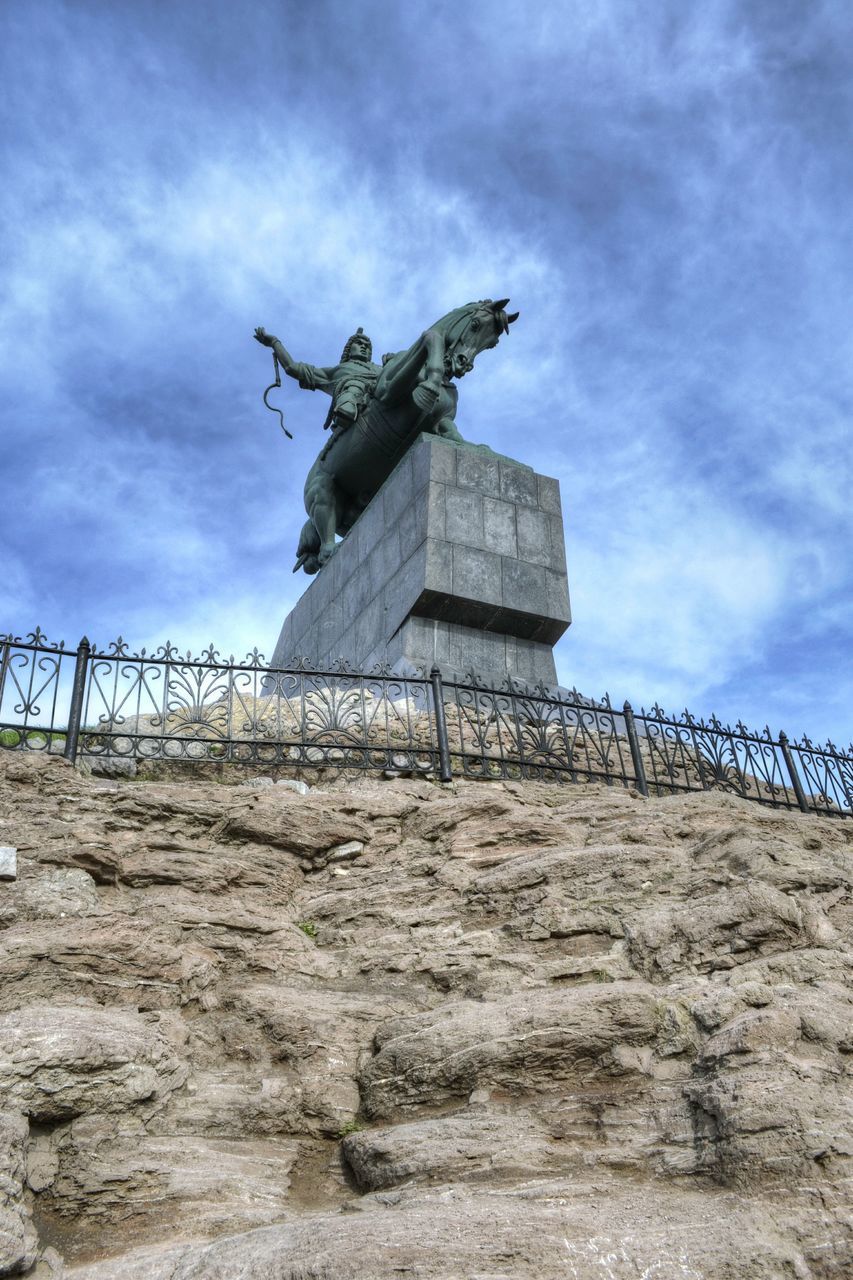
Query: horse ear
point(514, 315)
point(499, 306)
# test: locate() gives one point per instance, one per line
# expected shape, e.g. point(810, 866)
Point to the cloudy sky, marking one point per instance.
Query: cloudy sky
point(662, 187)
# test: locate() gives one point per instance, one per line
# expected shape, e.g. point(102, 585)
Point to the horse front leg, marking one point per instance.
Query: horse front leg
point(442, 423)
point(417, 373)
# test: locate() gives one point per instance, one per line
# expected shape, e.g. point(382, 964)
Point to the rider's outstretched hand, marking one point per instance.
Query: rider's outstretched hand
point(266, 339)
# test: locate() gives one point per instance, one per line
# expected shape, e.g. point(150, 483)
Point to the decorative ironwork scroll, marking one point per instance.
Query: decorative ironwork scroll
point(685, 754)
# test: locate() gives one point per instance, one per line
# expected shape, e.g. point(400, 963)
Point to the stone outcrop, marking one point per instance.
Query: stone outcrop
point(388, 1027)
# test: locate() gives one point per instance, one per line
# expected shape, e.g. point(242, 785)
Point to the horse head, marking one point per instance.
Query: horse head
point(470, 330)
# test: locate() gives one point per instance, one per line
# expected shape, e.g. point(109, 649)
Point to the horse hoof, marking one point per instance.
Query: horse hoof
point(424, 396)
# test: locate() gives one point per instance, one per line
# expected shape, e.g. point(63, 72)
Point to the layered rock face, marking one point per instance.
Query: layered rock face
point(389, 1028)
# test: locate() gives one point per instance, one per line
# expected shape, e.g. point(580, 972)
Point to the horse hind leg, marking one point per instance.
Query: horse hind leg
point(447, 429)
point(307, 552)
point(321, 502)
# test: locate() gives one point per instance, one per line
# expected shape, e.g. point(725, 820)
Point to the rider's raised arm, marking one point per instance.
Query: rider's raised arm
point(284, 357)
point(310, 376)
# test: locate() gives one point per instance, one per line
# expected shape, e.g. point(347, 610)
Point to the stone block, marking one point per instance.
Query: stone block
point(8, 862)
point(476, 575)
point(354, 596)
point(557, 596)
point(499, 533)
point(518, 485)
point(531, 661)
point(368, 634)
point(371, 526)
point(443, 456)
point(412, 524)
point(375, 567)
point(464, 517)
point(354, 539)
point(329, 628)
point(479, 471)
point(524, 586)
point(318, 596)
point(389, 548)
point(438, 569)
point(420, 642)
point(402, 588)
point(397, 494)
point(422, 461)
point(549, 495)
point(534, 535)
point(558, 545)
point(336, 577)
point(473, 651)
point(436, 522)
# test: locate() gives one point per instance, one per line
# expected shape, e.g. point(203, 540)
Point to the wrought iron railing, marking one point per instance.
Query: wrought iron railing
point(111, 704)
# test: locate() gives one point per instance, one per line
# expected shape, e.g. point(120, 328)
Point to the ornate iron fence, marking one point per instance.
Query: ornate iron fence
point(109, 704)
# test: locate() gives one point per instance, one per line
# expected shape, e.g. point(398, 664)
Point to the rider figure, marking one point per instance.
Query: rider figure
point(350, 383)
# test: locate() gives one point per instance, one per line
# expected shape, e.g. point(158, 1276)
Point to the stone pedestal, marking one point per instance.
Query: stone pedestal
point(458, 561)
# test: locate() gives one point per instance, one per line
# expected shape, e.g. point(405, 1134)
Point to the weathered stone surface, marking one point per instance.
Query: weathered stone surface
point(8, 862)
point(321, 1041)
point(61, 1061)
point(477, 1144)
point(18, 1241)
point(519, 1044)
point(547, 1230)
point(109, 958)
point(389, 1027)
point(52, 893)
point(105, 1169)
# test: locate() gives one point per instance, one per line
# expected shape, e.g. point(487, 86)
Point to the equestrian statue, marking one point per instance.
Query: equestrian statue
point(377, 412)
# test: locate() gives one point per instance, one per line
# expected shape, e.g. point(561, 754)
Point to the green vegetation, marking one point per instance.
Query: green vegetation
point(36, 739)
point(308, 927)
point(352, 1126)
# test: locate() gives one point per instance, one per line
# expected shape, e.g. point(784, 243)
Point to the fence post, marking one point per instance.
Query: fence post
point(4, 667)
point(634, 741)
point(78, 692)
point(445, 772)
point(792, 770)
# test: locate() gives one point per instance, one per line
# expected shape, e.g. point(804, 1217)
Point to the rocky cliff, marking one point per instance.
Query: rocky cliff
point(388, 1028)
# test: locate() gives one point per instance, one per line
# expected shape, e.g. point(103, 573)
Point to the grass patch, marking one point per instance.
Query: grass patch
point(308, 927)
point(36, 739)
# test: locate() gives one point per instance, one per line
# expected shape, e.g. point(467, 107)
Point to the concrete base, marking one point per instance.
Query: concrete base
point(458, 561)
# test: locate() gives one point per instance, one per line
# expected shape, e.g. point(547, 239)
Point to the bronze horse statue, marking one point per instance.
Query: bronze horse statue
point(413, 392)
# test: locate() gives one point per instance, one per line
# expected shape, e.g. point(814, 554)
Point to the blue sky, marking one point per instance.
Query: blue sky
point(664, 191)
